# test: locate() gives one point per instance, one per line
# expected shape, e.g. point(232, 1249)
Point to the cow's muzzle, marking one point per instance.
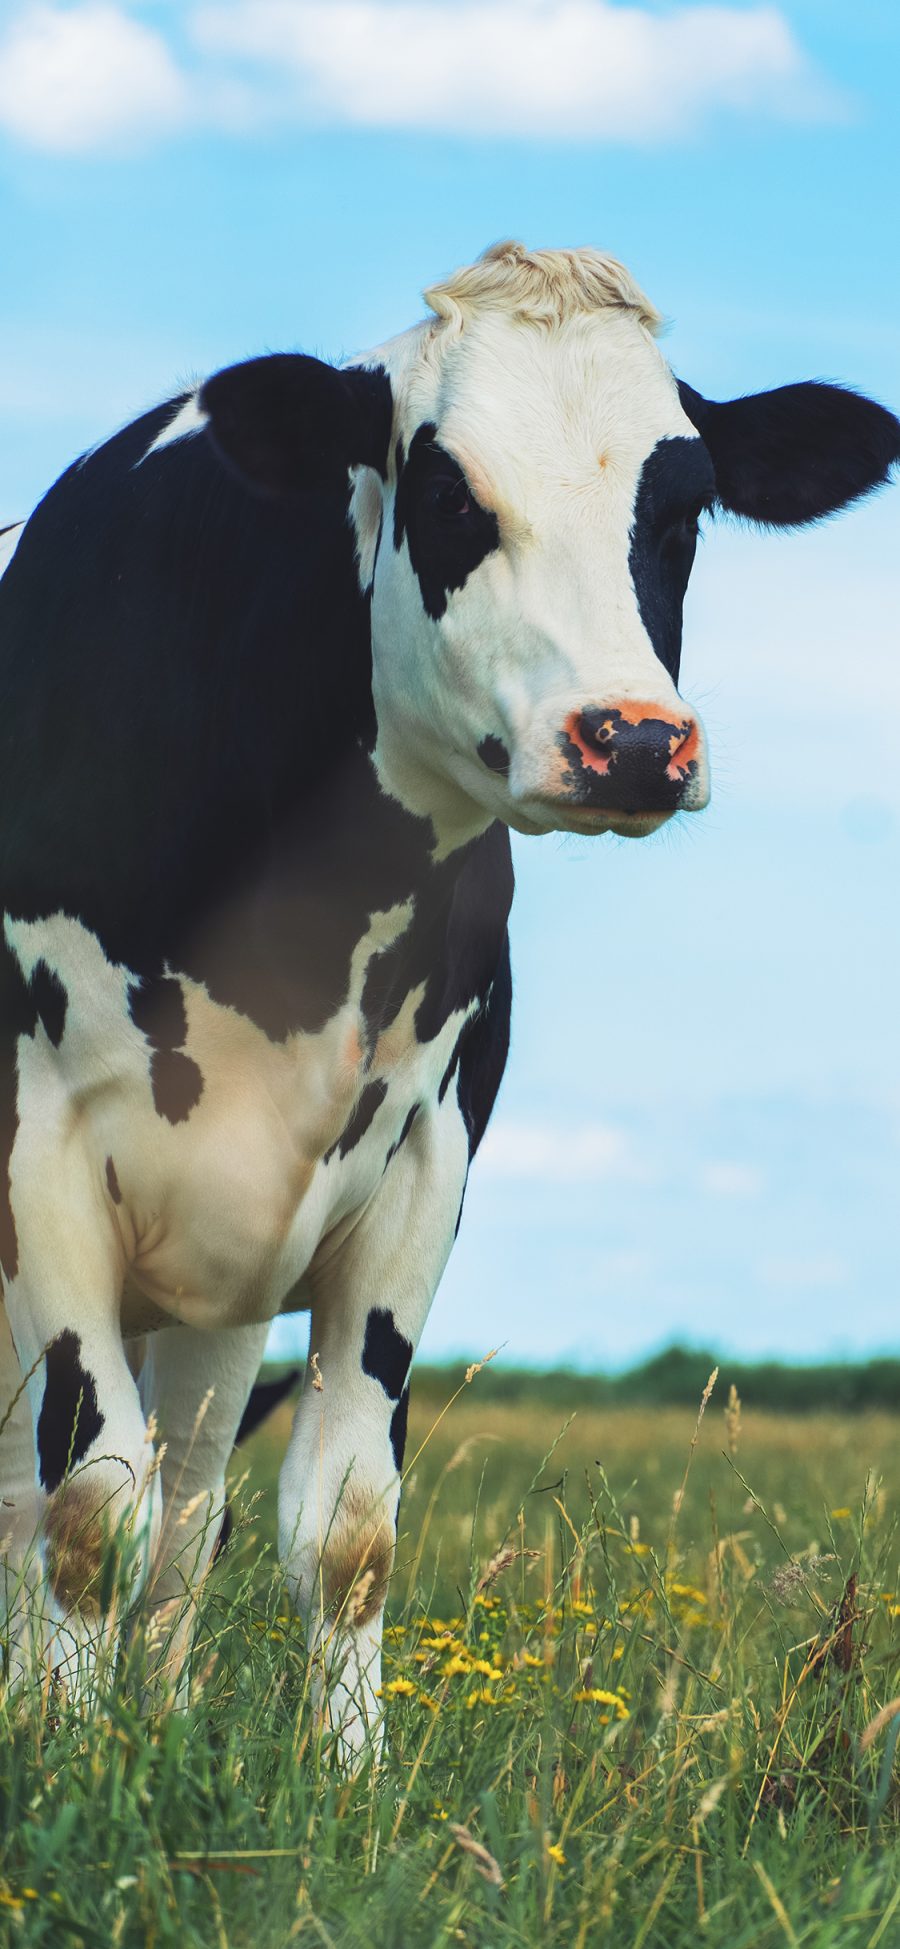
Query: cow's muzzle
point(633, 758)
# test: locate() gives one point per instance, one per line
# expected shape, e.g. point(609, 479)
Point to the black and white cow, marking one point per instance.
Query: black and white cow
point(280, 663)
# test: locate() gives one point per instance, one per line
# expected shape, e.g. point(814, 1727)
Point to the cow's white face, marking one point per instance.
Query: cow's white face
point(527, 477)
point(529, 553)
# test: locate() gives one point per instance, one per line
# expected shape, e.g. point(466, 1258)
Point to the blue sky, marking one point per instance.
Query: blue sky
point(699, 1131)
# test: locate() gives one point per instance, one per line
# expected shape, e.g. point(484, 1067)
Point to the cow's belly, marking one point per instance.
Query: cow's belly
point(225, 1162)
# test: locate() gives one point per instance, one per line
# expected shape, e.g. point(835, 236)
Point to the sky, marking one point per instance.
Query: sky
point(698, 1137)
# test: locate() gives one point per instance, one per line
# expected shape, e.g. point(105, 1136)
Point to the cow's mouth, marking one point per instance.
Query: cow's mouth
point(541, 813)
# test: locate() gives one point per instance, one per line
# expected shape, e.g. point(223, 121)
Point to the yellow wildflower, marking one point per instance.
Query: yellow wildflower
point(686, 1590)
point(398, 1688)
point(455, 1666)
point(840, 1515)
point(595, 1695)
point(556, 1854)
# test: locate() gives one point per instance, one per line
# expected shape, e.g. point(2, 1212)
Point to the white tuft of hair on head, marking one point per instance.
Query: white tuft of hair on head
point(540, 287)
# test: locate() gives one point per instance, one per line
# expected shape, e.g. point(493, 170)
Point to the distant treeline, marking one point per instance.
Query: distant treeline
point(677, 1378)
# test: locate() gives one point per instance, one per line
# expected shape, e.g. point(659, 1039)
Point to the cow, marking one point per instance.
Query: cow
point(281, 663)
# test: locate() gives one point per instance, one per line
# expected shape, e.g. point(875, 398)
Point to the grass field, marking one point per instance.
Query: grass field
point(632, 1694)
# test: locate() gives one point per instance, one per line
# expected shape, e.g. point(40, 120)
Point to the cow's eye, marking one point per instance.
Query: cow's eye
point(683, 527)
point(447, 497)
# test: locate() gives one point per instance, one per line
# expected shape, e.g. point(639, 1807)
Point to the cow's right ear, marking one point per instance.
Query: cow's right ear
point(786, 457)
point(285, 422)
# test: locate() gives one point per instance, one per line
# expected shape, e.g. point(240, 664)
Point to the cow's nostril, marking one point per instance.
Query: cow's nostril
point(598, 728)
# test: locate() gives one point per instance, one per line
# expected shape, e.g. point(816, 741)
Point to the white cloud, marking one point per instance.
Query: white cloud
point(545, 68)
point(94, 75)
point(83, 78)
point(557, 1154)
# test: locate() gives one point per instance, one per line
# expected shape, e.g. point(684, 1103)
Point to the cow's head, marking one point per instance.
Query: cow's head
point(529, 478)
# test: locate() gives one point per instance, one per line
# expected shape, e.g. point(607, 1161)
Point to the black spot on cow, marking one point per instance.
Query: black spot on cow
point(387, 1354)
point(483, 1053)
point(355, 1128)
point(18, 1016)
point(676, 484)
point(112, 1183)
point(177, 1084)
point(493, 753)
point(408, 1122)
point(452, 1065)
point(447, 531)
point(157, 1008)
point(70, 1420)
point(399, 1420)
point(50, 1001)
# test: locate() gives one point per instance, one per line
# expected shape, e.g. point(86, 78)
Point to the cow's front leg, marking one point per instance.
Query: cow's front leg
point(340, 1483)
point(97, 1484)
point(195, 1383)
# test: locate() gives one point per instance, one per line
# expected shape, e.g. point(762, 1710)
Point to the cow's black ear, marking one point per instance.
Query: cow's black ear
point(795, 454)
point(284, 422)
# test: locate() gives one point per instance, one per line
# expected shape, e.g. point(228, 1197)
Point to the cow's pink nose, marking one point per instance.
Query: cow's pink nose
point(643, 757)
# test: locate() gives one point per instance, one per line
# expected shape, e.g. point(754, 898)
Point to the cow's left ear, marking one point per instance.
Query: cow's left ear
point(795, 454)
point(285, 422)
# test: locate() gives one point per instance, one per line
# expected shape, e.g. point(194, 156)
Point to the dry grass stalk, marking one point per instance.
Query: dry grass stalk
point(733, 1420)
point(487, 1867)
point(358, 1596)
point(877, 1725)
point(478, 1364)
point(678, 1497)
point(503, 1560)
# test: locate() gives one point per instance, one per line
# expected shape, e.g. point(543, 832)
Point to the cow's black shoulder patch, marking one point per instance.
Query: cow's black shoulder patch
point(192, 632)
point(50, 1000)
point(70, 1420)
point(447, 531)
point(387, 1354)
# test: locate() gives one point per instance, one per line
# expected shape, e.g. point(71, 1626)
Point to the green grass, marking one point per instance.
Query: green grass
point(720, 1790)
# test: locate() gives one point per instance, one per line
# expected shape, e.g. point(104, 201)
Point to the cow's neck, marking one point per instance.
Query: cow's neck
point(281, 947)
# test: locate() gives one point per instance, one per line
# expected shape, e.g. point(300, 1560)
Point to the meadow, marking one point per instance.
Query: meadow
point(639, 1679)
